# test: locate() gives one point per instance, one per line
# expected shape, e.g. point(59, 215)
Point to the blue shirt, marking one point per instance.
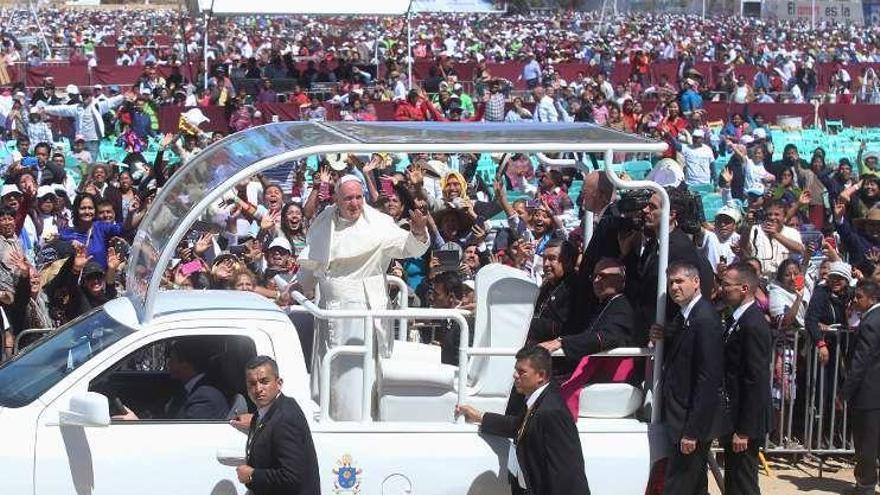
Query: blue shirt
point(690, 101)
point(532, 71)
point(96, 243)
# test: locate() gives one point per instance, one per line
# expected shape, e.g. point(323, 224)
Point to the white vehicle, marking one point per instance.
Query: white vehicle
point(56, 398)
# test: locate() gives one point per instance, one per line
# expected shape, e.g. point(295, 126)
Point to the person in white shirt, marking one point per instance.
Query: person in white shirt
point(754, 174)
point(545, 111)
point(720, 245)
point(773, 241)
point(698, 158)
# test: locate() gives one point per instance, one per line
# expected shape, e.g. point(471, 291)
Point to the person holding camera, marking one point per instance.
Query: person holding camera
point(639, 249)
point(771, 241)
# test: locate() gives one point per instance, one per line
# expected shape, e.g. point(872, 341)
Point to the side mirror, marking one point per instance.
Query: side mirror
point(88, 409)
point(230, 457)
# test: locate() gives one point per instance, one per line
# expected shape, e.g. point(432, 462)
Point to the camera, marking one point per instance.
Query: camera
point(633, 200)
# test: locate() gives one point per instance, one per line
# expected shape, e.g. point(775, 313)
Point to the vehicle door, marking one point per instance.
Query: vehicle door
point(157, 453)
point(422, 458)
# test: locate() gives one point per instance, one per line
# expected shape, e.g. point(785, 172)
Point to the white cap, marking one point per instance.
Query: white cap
point(71, 89)
point(730, 211)
point(9, 189)
point(44, 191)
point(746, 139)
point(841, 269)
point(698, 133)
point(281, 242)
point(759, 133)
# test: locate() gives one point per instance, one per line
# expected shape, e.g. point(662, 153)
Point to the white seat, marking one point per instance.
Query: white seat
point(609, 400)
point(415, 386)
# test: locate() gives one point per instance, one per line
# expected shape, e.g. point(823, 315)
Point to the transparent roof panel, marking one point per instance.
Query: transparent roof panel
point(490, 133)
point(190, 191)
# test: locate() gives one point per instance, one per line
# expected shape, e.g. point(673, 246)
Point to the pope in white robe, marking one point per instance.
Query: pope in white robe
point(349, 247)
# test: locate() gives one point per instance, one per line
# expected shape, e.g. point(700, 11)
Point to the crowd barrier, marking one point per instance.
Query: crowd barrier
point(807, 417)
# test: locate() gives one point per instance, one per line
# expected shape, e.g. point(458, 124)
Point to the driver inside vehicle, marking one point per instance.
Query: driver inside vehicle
point(197, 397)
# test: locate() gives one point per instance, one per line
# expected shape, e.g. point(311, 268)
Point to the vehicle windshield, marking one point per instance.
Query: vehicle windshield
point(38, 368)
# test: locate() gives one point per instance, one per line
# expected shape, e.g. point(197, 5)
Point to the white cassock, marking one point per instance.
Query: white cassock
point(348, 260)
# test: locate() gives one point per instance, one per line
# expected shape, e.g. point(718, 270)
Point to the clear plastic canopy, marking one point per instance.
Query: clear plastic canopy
point(189, 192)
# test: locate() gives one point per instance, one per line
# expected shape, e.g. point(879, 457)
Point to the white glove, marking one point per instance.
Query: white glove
point(230, 196)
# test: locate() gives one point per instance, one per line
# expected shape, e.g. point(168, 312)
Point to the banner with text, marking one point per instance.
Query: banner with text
point(842, 11)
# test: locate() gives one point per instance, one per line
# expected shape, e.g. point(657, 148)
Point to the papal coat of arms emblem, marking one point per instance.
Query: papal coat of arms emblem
point(348, 476)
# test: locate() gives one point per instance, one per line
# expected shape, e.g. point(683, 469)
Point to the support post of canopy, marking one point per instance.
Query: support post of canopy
point(662, 262)
point(369, 367)
point(205, 44)
point(409, 50)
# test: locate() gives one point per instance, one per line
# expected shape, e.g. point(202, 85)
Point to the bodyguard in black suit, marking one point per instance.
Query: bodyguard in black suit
point(281, 457)
point(747, 357)
point(691, 382)
point(547, 447)
point(861, 389)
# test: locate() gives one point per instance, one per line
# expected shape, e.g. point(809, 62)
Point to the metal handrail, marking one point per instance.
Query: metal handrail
point(402, 303)
point(367, 348)
point(24, 333)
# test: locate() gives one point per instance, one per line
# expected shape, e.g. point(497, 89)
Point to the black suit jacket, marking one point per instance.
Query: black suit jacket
point(613, 326)
point(642, 270)
point(862, 385)
point(692, 375)
point(205, 401)
point(280, 449)
point(553, 309)
point(549, 449)
point(747, 356)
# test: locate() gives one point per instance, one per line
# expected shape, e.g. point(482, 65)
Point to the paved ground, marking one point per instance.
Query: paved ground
point(802, 477)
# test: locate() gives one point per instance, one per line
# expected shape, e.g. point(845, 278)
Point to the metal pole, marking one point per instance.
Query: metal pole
point(813, 14)
point(40, 27)
point(662, 263)
point(369, 367)
point(588, 228)
point(704, 10)
point(205, 50)
point(409, 52)
point(376, 57)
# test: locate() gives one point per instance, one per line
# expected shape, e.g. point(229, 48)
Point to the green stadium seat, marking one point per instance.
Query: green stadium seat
point(638, 169)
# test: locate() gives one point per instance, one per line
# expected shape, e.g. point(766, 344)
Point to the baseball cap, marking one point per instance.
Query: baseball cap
point(698, 133)
point(841, 269)
point(281, 242)
point(71, 89)
point(9, 189)
point(92, 268)
point(759, 133)
point(731, 212)
point(44, 191)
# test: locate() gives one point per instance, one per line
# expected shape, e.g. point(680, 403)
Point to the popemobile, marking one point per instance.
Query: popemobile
point(57, 397)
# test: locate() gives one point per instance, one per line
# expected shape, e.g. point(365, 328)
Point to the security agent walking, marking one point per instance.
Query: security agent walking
point(747, 357)
point(861, 389)
point(281, 457)
point(547, 454)
point(691, 382)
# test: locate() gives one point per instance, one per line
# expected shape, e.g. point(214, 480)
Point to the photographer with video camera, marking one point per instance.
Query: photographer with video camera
point(639, 249)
